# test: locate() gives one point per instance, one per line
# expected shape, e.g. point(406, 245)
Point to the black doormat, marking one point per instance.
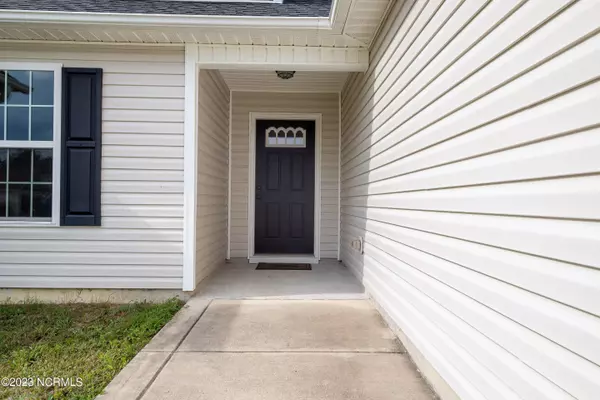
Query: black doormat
point(284, 267)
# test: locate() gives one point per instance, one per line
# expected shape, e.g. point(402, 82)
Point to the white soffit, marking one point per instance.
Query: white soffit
point(155, 35)
point(267, 81)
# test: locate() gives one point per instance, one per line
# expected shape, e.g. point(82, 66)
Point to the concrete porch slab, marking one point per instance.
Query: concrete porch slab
point(291, 376)
point(239, 280)
point(291, 325)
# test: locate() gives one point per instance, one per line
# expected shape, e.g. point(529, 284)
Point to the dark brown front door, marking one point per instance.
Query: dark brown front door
point(285, 187)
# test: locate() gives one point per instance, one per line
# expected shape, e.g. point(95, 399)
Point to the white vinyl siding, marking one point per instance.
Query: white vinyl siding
point(213, 167)
point(140, 243)
point(325, 103)
point(470, 162)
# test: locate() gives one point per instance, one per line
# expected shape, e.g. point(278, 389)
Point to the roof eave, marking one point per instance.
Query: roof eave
point(58, 17)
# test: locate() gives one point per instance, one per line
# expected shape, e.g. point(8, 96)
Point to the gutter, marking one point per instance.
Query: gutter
point(162, 20)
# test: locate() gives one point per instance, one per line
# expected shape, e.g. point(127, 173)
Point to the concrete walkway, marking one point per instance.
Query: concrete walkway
point(272, 349)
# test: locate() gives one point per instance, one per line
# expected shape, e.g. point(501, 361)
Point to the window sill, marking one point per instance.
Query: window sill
point(17, 224)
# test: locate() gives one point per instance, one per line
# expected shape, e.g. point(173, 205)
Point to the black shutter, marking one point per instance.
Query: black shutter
point(81, 136)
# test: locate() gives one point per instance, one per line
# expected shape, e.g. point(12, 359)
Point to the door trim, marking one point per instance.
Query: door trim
point(254, 116)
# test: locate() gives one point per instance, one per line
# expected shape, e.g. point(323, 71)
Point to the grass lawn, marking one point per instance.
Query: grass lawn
point(92, 342)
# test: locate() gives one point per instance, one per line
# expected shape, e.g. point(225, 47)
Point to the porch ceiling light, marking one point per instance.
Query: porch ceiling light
point(285, 74)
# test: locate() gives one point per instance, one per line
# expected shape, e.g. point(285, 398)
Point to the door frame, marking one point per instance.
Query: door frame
point(317, 118)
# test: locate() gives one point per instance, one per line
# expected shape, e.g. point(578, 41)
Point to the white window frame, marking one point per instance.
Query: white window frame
point(55, 144)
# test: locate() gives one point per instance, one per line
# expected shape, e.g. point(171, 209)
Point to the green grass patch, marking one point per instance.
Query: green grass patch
point(92, 342)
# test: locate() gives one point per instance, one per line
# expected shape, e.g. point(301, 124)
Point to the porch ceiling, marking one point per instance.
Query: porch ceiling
point(302, 82)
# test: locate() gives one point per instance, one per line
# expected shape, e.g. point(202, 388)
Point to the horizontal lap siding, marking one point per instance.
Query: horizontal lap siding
point(140, 243)
point(326, 104)
point(470, 165)
point(213, 172)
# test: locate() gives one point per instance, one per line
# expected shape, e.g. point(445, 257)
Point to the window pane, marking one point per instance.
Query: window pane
point(17, 123)
point(1, 121)
point(42, 90)
point(42, 201)
point(18, 87)
point(2, 200)
point(41, 123)
point(290, 138)
point(19, 165)
point(3, 161)
point(19, 200)
point(42, 165)
point(2, 87)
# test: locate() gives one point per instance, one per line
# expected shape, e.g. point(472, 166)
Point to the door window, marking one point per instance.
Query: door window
point(282, 136)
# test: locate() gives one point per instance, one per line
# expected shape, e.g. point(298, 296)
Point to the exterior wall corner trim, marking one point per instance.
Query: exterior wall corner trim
point(190, 168)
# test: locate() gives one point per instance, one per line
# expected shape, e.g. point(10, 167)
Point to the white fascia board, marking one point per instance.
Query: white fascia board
point(154, 20)
point(339, 15)
point(219, 56)
point(316, 67)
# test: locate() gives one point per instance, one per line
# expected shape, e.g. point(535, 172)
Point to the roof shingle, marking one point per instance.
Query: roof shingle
point(289, 8)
